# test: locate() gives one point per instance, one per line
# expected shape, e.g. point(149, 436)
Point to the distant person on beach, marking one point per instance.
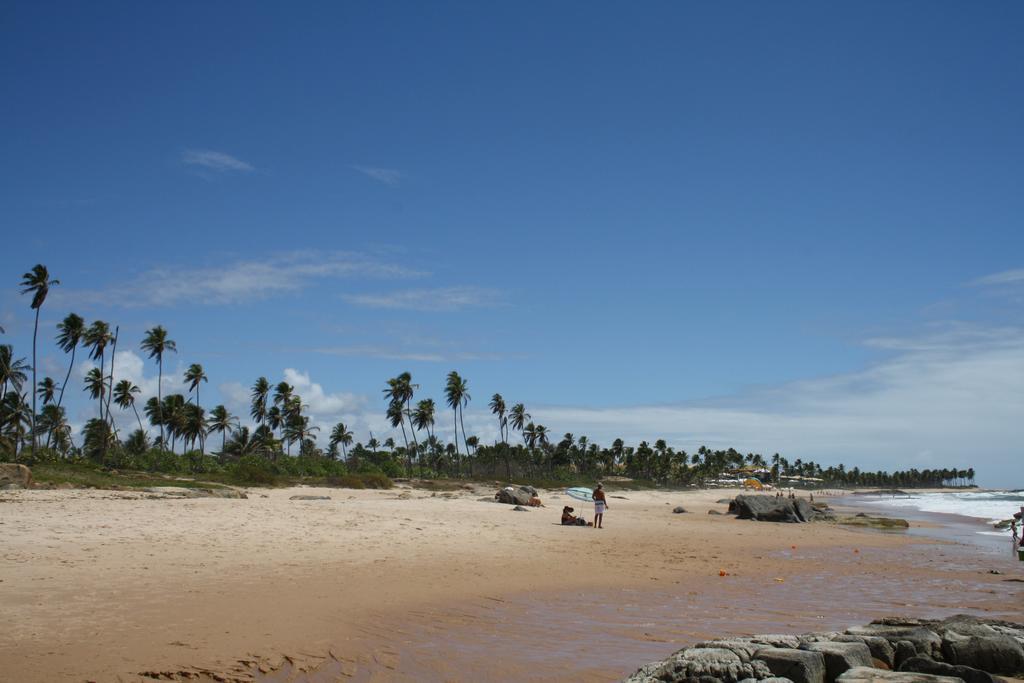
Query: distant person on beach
point(569, 519)
point(535, 502)
point(600, 505)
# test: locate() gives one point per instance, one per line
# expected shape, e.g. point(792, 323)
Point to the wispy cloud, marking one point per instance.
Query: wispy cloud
point(388, 176)
point(215, 161)
point(946, 399)
point(1006, 277)
point(237, 282)
point(440, 299)
point(388, 353)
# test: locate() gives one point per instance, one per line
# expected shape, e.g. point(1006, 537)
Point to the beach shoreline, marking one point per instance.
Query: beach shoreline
point(410, 583)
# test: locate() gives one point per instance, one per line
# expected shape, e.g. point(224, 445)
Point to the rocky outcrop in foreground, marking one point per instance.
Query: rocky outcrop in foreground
point(960, 648)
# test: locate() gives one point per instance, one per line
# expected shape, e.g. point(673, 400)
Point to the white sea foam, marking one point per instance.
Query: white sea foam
point(991, 506)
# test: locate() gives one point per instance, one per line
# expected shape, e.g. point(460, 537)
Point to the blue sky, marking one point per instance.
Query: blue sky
point(786, 227)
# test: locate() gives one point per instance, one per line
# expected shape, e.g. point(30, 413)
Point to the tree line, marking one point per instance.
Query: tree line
point(34, 428)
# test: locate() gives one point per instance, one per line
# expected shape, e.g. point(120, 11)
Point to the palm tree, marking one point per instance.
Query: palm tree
point(341, 435)
point(518, 417)
point(12, 372)
point(221, 421)
point(396, 418)
point(193, 376)
point(96, 339)
point(423, 418)
point(156, 343)
point(96, 385)
point(400, 391)
point(193, 426)
point(124, 397)
point(497, 406)
point(69, 336)
point(457, 396)
point(260, 392)
point(37, 282)
point(53, 422)
point(46, 390)
point(172, 415)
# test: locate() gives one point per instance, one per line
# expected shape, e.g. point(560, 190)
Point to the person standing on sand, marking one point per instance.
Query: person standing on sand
point(600, 505)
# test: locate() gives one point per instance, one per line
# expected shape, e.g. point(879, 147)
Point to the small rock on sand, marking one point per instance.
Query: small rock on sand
point(304, 497)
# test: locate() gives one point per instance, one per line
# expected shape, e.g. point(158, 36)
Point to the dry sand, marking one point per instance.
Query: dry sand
point(412, 585)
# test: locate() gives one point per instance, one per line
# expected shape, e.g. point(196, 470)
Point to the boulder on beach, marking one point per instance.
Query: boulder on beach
point(772, 509)
point(15, 476)
point(520, 508)
point(799, 666)
point(840, 657)
point(865, 674)
point(187, 492)
point(679, 509)
point(701, 664)
point(927, 665)
point(879, 647)
point(997, 654)
point(959, 648)
point(515, 495)
point(308, 497)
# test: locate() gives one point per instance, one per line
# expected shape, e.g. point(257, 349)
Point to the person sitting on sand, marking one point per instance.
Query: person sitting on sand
point(569, 519)
point(535, 502)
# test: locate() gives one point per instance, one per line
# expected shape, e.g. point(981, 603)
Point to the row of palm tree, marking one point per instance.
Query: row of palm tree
point(280, 422)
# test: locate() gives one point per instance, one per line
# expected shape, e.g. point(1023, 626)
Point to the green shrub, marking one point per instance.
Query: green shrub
point(254, 470)
point(346, 481)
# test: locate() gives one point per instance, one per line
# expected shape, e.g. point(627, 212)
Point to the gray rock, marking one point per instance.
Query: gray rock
point(804, 510)
point(865, 674)
point(765, 509)
point(679, 509)
point(700, 665)
point(15, 476)
point(926, 665)
point(995, 654)
point(800, 666)
point(904, 651)
point(515, 496)
point(305, 497)
point(840, 657)
point(925, 641)
point(741, 647)
point(186, 492)
point(519, 508)
point(714, 512)
point(778, 640)
point(880, 648)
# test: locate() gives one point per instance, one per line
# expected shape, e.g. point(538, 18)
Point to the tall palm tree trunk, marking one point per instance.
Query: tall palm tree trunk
point(160, 399)
point(136, 410)
point(458, 460)
point(63, 386)
point(35, 333)
point(110, 394)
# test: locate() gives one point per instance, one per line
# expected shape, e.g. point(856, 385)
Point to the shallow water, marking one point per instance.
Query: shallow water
point(603, 635)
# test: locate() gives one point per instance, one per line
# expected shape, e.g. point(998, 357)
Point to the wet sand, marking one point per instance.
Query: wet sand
point(410, 585)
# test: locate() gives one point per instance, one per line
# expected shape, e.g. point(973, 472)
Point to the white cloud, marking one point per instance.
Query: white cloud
point(441, 299)
point(388, 176)
point(214, 161)
point(320, 402)
point(236, 282)
point(937, 403)
point(1005, 277)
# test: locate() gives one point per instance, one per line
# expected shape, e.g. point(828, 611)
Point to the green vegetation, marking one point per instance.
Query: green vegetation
point(263, 453)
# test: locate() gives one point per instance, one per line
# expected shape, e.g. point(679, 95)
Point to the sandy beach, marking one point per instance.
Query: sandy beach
point(411, 584)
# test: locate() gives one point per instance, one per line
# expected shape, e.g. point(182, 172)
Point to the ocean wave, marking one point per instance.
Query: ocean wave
point(992, 506)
